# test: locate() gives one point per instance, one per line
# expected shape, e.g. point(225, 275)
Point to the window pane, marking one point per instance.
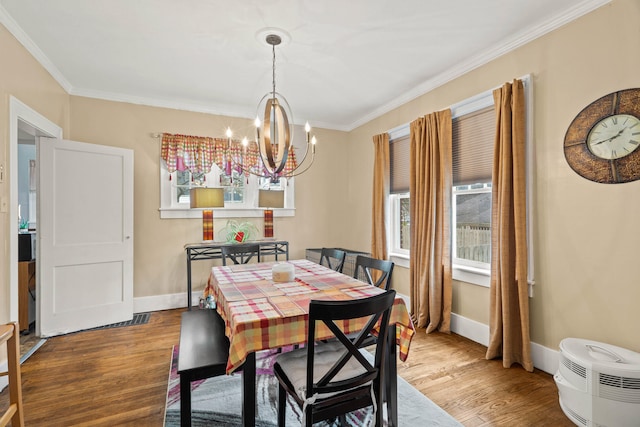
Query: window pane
point(233, 187)
point(405, 223)
point(183, 178)
point(473, 226)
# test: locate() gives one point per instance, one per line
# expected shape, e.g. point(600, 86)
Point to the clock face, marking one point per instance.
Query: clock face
point(615, 136)
point(601, 143)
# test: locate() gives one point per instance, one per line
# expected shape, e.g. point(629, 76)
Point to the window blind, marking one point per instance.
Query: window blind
point(399, 159)
point(473, 139)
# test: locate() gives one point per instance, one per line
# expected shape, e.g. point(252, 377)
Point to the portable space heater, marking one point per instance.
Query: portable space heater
point(598, 384)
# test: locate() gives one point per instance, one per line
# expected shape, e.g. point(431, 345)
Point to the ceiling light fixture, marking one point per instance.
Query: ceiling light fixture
point(274, 133)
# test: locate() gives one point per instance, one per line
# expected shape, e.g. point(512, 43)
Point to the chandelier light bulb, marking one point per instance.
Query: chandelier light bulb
point(229, 132)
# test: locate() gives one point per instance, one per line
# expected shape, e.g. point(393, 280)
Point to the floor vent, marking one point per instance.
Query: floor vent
point(138, 319)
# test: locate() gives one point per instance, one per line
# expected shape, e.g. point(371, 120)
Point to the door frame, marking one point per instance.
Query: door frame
point(41, 126)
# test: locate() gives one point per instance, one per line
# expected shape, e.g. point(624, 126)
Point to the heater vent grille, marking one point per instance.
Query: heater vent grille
point(576, 368)
point(621, 389)
point(578, 418)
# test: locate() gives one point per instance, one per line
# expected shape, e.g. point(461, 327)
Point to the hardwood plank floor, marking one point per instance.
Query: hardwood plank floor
point(118, 377)
point(452, 372)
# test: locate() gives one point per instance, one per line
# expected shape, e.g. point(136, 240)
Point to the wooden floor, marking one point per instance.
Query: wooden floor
point(118, 377)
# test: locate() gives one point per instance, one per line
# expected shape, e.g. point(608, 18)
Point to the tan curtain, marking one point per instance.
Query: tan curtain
point(380, 194)
point(509, 315)
point(430, 189)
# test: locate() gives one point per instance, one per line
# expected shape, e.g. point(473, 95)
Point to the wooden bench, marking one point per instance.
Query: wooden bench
point(203, 353)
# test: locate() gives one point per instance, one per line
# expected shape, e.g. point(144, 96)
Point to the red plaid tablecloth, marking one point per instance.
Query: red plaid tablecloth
point(261, 314)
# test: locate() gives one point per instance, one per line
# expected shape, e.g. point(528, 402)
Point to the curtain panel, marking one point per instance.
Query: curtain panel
point(197, 154)
point(509, 310)
point(430, 189)
point(381, 168)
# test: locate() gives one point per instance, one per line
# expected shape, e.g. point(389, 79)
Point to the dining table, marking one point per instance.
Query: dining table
point(260, 314)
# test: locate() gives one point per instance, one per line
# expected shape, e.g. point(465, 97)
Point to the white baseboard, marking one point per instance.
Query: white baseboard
point(164, 302)
point(475, 331)
point(544, 358)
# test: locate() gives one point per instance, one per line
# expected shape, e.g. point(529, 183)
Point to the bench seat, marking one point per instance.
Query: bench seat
point(203, 353)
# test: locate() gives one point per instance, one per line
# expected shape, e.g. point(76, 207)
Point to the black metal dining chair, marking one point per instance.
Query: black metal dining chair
point(376, 272)
point(240, 254)
point(330, 379)
point(333, 258)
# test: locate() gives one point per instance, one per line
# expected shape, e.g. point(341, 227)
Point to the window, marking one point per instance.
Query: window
point(473, 138)
point(241, 193)
point(400, 242)
point(472, 145)
point(399, 201)
point(471, 226)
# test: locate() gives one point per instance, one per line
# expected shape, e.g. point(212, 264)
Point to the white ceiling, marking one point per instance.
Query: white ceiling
point(347, 61)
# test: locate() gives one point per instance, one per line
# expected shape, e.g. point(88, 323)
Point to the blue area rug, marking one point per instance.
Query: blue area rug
point(218, 401)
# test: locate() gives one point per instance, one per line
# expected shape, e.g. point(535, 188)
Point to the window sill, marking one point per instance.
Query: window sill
point(400, 260)
point(172, 213)
point(475, 276)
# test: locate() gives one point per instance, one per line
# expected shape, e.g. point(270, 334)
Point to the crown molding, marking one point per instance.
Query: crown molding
point(521, 39)
point(220, 110)
point(224, 110)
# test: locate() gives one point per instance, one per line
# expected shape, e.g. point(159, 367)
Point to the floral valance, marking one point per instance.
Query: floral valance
point(198, 154)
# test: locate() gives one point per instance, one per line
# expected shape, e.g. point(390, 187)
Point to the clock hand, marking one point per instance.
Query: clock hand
point(610, 139)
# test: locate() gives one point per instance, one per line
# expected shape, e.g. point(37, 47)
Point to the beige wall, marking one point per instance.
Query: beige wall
point(586, 266)
point(21, 76)
point(586, 274)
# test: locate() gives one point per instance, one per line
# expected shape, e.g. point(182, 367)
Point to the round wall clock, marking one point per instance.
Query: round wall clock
point(602, 142)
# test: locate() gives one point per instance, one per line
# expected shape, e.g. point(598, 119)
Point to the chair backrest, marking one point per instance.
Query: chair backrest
point(336, 380)
point(376, 272)
point(240, 254)
point(333, 258)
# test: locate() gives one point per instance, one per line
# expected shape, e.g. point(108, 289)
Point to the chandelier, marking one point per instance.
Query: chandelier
point(274, 133)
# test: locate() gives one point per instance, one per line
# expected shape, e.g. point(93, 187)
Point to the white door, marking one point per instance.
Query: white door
point(85, 225)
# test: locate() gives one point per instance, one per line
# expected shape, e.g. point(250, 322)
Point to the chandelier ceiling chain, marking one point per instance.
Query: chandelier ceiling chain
point(273, 40)
point(276, 129)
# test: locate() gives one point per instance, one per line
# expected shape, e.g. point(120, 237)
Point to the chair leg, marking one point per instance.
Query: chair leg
point(379, 411)
point(282, 405)
point(15, 377)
